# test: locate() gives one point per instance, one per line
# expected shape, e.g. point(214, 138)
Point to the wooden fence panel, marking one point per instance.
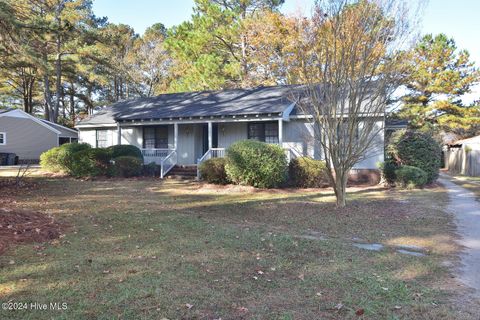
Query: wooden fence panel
point(461, 161)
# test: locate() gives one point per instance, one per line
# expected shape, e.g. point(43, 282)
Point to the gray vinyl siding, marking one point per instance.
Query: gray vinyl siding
point(27, 138)
point(64, 132)
point(186, 144)
point(229, 133)
point(297, 134)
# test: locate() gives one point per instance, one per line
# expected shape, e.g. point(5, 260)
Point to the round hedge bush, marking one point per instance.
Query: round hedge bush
point(128, 166)
point(305, 172)
point(257, 164)
point(410, 148)
point(49, 160)
point(65, 156)
point(408, 176)
point(388, 171)
point(213, 171)
point(91, 163)
point(123, 150)
point(61, 158)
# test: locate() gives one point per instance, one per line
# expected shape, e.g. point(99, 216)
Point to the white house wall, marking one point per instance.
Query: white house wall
point(90, 136)
point(375, 153)
point(131, 135)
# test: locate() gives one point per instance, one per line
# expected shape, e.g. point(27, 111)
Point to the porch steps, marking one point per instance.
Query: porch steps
point(182, 172)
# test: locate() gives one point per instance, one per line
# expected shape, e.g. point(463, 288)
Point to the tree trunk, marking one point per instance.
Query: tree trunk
point(47, 98)
point(115, 89)
point(340, 187)
point(58, 63)
point(58, 71)
point(72, 102)
point(243, 44)
point(30, 95)
point(64, 111)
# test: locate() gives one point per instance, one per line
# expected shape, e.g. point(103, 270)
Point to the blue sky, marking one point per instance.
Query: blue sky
point(458, 19)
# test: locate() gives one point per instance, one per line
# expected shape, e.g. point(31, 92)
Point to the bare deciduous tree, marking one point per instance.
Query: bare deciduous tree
point(354, 64)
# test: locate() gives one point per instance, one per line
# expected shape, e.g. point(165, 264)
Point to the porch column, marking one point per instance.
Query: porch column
point(119, 133)
point(175, 135)
point(280, 132)
point(210, 135)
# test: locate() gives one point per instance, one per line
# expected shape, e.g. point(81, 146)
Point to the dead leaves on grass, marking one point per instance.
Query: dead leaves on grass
point(22, 226)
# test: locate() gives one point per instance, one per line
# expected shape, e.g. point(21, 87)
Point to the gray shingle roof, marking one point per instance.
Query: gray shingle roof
point(260, 100)
point(64, 131)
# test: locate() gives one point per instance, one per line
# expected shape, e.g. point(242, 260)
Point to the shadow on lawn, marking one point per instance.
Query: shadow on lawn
point(148, 248)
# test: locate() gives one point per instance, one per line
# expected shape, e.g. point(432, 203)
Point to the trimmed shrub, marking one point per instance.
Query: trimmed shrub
point(49, 160)
point(128, 166)
point(408, 176)
point(213, 171)
point(388, 171)
point(257, 164)
point(65, 155)
point(151, 169)
point(91, 162)
point(410, 148)
point(123, 150)
point(305, 172)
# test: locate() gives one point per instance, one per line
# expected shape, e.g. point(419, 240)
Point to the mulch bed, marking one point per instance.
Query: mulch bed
point(22, 226)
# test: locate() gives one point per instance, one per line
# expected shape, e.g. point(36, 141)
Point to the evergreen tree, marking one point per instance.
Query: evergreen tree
point(438, 75)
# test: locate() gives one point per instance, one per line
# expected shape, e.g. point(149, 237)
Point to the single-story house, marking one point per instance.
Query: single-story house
point(463, 156)
point(187, 128)
point(28, 137)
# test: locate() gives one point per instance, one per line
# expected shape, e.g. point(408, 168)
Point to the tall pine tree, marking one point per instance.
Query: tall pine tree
point(438, 75)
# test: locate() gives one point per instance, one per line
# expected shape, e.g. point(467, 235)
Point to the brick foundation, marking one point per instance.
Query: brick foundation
point(364, 176)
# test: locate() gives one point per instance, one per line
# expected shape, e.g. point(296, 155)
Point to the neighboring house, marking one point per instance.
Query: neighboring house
point(463, 156)
point(28, 136)
point(187, 128)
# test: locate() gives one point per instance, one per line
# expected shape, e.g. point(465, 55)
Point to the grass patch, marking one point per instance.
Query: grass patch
point(146, 248)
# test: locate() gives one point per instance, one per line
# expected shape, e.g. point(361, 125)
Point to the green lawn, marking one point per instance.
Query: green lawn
point(147, 249)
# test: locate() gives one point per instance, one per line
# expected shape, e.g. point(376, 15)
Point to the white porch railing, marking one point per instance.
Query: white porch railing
point(165, 158)
point(211, 153)
point(291, 153)
point(155, 155)
point(168, 163)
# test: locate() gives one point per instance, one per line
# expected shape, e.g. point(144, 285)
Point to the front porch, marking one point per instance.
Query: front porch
point(189, 144)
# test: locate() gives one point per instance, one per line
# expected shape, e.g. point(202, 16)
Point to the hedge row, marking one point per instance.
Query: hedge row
point(81, 160)
point(263, 165)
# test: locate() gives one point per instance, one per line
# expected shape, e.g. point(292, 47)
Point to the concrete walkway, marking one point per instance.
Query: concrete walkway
point(466, 208)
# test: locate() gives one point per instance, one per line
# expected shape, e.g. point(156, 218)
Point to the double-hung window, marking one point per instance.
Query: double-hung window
point(263, 131)
point(102, 141)
point(155, 137)
point(3, 138)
